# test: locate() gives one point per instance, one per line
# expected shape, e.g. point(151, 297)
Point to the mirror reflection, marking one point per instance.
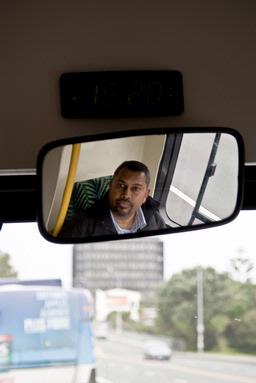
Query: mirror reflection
point(139, 184)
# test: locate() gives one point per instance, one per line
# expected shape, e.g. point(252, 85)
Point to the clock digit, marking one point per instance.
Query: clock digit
point(109, 97)
point(96, 94)
point(134, 96)
point(154, 93)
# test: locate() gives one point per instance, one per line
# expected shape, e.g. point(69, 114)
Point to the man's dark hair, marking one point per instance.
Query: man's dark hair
point(135, 166)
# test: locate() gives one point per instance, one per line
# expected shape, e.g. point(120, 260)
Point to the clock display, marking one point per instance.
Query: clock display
point(121, 94)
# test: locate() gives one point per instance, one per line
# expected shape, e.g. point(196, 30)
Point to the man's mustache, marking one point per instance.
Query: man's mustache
point(126, 200)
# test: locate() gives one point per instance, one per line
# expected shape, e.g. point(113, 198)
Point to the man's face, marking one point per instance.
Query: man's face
point(128, 191)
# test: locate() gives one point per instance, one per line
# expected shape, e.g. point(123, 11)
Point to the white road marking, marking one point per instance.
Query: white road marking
point(191, 202)
point(102, 380)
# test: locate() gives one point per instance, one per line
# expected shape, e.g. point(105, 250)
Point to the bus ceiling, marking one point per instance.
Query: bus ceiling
point(200, 39)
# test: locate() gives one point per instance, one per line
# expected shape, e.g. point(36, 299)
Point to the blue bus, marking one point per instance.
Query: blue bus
point(46, 334)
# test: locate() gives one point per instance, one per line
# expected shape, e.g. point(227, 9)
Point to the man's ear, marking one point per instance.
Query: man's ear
point(147, 194)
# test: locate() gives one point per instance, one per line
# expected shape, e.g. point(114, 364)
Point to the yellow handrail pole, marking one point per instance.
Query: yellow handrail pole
point(68, 189)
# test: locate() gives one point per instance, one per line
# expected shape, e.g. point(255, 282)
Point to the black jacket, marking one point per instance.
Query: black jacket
point(96, 220)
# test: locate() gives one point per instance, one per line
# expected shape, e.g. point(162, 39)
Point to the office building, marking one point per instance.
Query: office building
point(128, 264)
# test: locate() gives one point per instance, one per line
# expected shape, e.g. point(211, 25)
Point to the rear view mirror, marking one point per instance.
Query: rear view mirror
point(125, 185)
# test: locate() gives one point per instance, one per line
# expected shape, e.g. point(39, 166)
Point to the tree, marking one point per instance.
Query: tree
point(242, 268)
point(242, 332)
point(229, 306)
point(177, 307)
point(6, 270)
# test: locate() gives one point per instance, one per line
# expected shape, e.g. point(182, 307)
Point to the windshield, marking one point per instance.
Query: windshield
point(190, 296)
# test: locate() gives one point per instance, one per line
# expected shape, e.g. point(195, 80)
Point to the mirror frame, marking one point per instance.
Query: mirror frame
point(128, 133)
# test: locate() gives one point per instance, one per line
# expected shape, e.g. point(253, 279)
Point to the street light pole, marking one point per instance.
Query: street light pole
point(200, 311)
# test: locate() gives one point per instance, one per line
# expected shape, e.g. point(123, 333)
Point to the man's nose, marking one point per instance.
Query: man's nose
point(126, 192)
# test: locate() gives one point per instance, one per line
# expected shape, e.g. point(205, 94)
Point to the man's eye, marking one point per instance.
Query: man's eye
point(136, 189)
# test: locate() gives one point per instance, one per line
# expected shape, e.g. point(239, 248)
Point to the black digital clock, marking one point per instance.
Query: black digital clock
point(121, 94)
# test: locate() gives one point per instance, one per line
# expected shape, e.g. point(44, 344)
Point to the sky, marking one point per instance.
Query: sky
point(34, 257)
point(213, 247)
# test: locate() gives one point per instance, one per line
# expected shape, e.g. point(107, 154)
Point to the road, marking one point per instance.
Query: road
point(120, 360)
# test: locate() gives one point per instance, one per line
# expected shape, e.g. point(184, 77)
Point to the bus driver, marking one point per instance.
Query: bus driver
point(125, 208)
